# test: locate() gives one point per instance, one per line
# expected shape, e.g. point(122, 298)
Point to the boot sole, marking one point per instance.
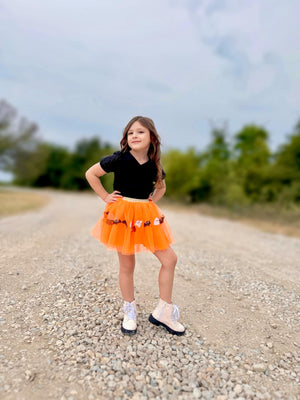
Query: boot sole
point(127, 331)
point(170, 330)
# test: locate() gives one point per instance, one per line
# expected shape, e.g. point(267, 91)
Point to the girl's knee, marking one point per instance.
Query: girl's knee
point(127, 263)
point(174, 259)
point(171, 261)
point(167, 258)
point(127, 268)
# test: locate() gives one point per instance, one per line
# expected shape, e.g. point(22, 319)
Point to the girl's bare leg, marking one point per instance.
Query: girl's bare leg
point(127, 264)
point(168, 261)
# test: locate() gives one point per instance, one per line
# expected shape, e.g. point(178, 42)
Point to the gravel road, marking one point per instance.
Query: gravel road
point(237, 289)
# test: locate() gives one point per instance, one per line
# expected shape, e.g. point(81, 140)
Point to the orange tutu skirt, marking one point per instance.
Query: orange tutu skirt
point(133, 225)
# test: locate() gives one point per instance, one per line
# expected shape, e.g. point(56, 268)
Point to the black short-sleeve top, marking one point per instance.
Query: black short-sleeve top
point(131, 178)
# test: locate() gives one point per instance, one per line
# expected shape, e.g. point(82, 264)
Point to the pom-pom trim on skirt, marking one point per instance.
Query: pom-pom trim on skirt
point(131, 226)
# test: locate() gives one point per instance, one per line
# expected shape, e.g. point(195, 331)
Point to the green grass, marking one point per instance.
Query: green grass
point(15, 202)
point(273, 218)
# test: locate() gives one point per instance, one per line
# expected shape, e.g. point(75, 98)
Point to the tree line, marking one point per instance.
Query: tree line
point(239, 172)
point(234, 172)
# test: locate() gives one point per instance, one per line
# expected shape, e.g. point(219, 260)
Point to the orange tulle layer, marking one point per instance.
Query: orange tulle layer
point(132, 226)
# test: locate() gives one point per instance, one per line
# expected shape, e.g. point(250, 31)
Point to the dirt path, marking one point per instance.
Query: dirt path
point(237, 289)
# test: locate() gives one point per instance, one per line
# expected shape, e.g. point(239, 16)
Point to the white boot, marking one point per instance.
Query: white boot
point(129, 322)
point(166, 314)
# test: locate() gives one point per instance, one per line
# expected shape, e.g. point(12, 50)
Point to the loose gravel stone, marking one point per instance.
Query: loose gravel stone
point(259, 367)
point(60, 337)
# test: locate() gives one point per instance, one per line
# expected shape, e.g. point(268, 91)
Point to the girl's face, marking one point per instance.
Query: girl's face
point(138, 137)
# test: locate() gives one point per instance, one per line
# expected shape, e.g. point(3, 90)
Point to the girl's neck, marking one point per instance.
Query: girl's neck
point(141, 156)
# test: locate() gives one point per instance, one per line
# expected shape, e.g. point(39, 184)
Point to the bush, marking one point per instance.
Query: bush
point(290, 194)
point(235, 196)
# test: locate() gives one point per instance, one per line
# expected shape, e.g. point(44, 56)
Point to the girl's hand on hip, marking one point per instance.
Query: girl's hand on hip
point(113, 197)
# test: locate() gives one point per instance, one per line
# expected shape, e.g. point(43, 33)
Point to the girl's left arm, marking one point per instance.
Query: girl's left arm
point(158, 193)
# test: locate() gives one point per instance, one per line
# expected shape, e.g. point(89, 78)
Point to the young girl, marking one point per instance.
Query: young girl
point(132, 222)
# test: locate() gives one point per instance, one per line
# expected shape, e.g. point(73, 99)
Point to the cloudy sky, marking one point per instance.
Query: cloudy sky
point(85, 68)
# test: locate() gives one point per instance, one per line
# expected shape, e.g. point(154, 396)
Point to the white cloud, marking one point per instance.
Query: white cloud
point(80, 68)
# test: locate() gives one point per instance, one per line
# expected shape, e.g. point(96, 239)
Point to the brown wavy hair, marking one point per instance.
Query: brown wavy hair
point(154, 148)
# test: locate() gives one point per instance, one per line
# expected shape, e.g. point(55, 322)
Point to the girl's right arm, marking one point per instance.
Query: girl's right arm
point(92, 175)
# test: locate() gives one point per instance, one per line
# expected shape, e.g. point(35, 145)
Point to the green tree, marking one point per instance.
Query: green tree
point(87, 152)
point(215, 169)
point(17, 136)
point(285, 178)
point(182, 173)
point(251, 156)
point(43, 166)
